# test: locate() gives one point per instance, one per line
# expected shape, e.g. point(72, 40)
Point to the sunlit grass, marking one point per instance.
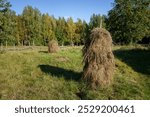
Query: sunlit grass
point(35, 74)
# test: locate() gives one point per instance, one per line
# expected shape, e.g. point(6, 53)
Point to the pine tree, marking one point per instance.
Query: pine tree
point(71, 30)
point(60, 31)
point(48, 28)
point(4, 9)
point(129, 21)
point(96, 21)
point(31, 19)
point(79, 36)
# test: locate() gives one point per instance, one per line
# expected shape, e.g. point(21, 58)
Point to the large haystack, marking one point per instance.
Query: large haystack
point(98, 58)
point(53, 46)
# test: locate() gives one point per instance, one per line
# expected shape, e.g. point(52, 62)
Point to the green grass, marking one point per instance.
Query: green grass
point(35, 74)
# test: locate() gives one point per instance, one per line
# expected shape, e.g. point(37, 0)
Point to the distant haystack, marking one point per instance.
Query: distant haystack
point(53, 46)
point(98, 58)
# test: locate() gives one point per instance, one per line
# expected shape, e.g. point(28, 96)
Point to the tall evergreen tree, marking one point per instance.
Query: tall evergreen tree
point(129, 21)
point(60, 31)
point(31, 19)
point(10, 27)
point(71, 30)
point(4, 9)
point(79, 32)
point(48, 28)
point(96, 21)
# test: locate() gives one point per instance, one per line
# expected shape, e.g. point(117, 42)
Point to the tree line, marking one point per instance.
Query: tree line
point(128, 22)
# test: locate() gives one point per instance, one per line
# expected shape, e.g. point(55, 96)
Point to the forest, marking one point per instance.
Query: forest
point(128, 23)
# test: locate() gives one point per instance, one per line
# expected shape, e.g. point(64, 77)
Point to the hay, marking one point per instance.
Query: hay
point(53, 46)
point(98, 58)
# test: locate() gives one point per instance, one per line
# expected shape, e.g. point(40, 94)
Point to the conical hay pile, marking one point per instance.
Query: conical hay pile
point(98, 58)
point(53, 46)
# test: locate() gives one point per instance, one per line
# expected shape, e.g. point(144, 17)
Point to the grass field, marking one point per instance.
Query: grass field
point(35, 74)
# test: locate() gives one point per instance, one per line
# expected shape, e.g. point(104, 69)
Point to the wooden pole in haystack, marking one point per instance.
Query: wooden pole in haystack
point(101, 22)
point(98, 59)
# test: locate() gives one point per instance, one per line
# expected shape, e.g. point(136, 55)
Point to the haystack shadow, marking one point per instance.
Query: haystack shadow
point(138, 59)
point(60, 72)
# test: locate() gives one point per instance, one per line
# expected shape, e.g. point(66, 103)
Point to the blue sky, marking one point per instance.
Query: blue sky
point(67, 8)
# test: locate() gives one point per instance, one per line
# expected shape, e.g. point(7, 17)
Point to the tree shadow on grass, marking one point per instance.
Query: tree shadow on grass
point(60, 72)
point(138, 59)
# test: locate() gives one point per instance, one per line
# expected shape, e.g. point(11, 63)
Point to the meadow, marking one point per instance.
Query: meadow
point(36, 74)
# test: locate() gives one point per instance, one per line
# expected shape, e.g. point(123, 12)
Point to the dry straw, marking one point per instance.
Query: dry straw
point(98, 59)
point(53, 46)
